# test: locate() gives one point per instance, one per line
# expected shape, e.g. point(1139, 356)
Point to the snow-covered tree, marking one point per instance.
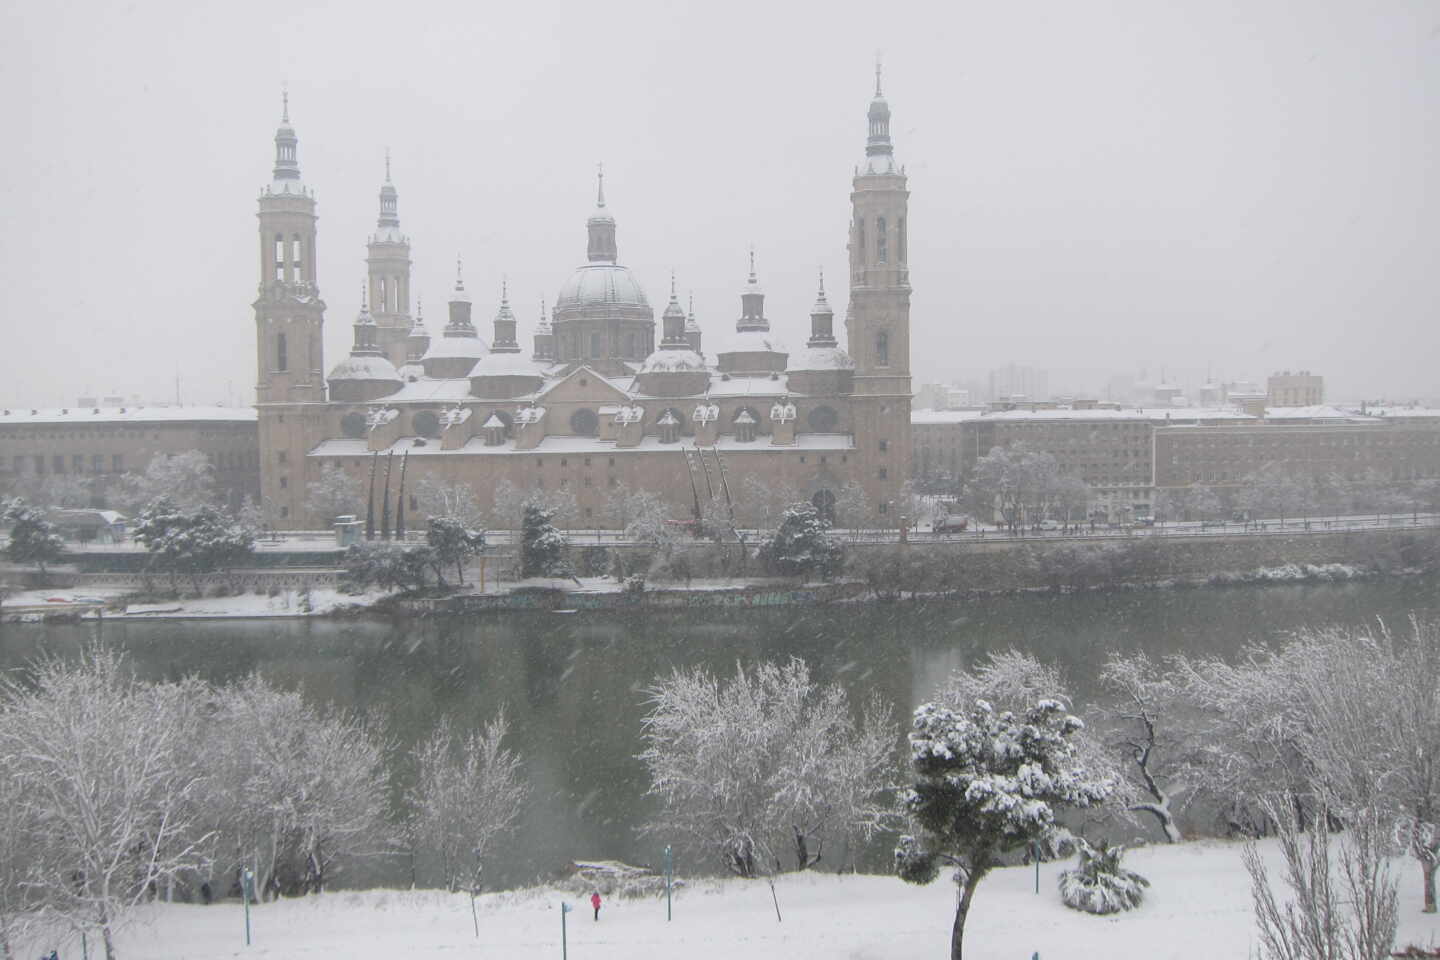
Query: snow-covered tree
point(334, 493)
point(1151, 735)
point(1015, 481)
point(391, 566)
point(852, 505)
point(20, 905)
point(469, 791)
point(985, 784)
point(192, 543)
point(802, 545)
point(766, 766)
point(186, 479)
point(108, 780)
point(455, 501)
point(542, 547)
point(452, 543)
point(32, 536)
point(294, 789)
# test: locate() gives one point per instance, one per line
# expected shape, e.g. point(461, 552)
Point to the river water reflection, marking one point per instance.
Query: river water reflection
point(572, 685)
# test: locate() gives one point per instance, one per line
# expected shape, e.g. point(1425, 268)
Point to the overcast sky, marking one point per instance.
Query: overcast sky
point(1245, 186)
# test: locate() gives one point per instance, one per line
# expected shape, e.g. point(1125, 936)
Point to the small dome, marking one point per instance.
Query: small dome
point(366, 366)
point(673, 361)
point(601, 284)
point(456, 348)
point(507, 365)
point(821, 358)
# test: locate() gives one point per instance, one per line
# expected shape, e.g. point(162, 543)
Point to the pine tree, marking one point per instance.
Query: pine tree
point(542, 547)
point(802, 545)
point(32, 537)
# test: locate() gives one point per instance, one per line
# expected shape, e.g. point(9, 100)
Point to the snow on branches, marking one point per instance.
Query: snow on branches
point(765, 766)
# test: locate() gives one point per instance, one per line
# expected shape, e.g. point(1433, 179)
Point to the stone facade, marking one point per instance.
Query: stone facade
point(598, 405)
point(98, 444)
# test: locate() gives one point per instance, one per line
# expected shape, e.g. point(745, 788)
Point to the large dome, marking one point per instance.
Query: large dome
point(601, 285)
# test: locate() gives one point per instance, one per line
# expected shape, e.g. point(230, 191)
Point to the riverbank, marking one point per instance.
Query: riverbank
point(1197, 908)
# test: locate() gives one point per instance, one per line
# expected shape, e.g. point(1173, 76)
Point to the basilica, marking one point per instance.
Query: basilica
point(596, 404)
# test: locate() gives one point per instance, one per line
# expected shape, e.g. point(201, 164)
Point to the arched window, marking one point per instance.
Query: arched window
point(426, 424)
point(282, 354)
point(882, 349)
point(860, 241)
point(382, 297)
point(882, 252)
point(900, 239)
point(279, 257)
point(297, 259)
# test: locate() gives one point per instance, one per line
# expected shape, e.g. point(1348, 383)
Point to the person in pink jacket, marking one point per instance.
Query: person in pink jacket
point(595, 902)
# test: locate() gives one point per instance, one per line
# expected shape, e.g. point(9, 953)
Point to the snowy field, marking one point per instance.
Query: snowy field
point(1198, 908)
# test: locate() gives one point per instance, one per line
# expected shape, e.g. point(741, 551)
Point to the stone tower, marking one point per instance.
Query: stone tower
point(878, 319)
point(388, 259)
point(289, 314)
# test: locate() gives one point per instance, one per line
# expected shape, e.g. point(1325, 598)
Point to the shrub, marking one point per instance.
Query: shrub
point(1098, 884)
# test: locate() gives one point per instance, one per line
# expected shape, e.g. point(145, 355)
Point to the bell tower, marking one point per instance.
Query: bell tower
point(388, 259)
point(289, 314)
point(878, 319)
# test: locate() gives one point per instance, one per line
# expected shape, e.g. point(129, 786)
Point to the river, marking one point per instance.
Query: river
point(573, 685)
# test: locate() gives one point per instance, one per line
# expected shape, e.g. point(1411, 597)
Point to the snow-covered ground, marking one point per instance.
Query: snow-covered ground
point(285, 603)
point(1198, 908)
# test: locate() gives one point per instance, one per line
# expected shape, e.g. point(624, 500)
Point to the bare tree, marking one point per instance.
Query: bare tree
point(187, 479)
point(469, 791)
point(296, 788)
point(764, 762)
point(1151, 735)
point(109, 783)
point(334, 493)
point(451, 500)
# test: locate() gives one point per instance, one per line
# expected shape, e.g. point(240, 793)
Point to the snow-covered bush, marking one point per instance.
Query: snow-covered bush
point(192, 542)
point(987, 783)
point(1098, 884)
point(32, 536)
point(765, 766)
point(452, 544)
point(387, 565)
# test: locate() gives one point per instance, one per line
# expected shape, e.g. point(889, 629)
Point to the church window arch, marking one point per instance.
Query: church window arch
point(882, 349)
point(860, 250)
point(297, 259)
point(282, 353)
point(426, 424)
point(352, 425)
point(882, 252)
point(900, 241)
point(382, 300)
point(279, 258)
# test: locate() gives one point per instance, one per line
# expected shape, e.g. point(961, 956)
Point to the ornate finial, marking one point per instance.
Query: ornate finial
point(878, 94)
point(459, 280)
point(691, 311)
point(600, 191)
point(672, 283)
point(387, 164)
point(504, 288)
point(364, 297)
point(822, 282)
point(752, 263)
point(285, 102)
point(419, 308)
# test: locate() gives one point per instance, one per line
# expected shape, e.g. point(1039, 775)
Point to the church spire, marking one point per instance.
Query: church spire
point(389, 200)
point(879, 151)
point(287, 162)
point(601, 227)
point(752, 302)
point(505, 339)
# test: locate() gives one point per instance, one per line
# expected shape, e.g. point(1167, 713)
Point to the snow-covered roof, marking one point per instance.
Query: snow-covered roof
point(461, 348)
point(753, 341)
point(1135, 414)
point(673, 361)
point(366, 366)
point(146, 414)
point(494, 423)
point(507, 365)
point(820, 358)
point(411, 371)
point(836, 442)
point(1319, 411)
point(749, 386)
point(1398, 412)
point(426, 390)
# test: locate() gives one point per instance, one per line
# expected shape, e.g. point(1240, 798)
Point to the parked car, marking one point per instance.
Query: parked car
point(951, 524)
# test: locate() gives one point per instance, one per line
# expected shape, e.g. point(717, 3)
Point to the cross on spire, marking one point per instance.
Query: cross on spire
point(285, 102)
point(387, 164)
point(600, 177)
point(878, 94)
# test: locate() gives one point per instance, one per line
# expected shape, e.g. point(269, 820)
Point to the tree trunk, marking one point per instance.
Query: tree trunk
point(104, 919)
point(1429, 870)
point(962, 909)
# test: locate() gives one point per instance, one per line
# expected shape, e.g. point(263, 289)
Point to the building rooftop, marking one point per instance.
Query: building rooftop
point(1133, 414)
point(142, 414)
